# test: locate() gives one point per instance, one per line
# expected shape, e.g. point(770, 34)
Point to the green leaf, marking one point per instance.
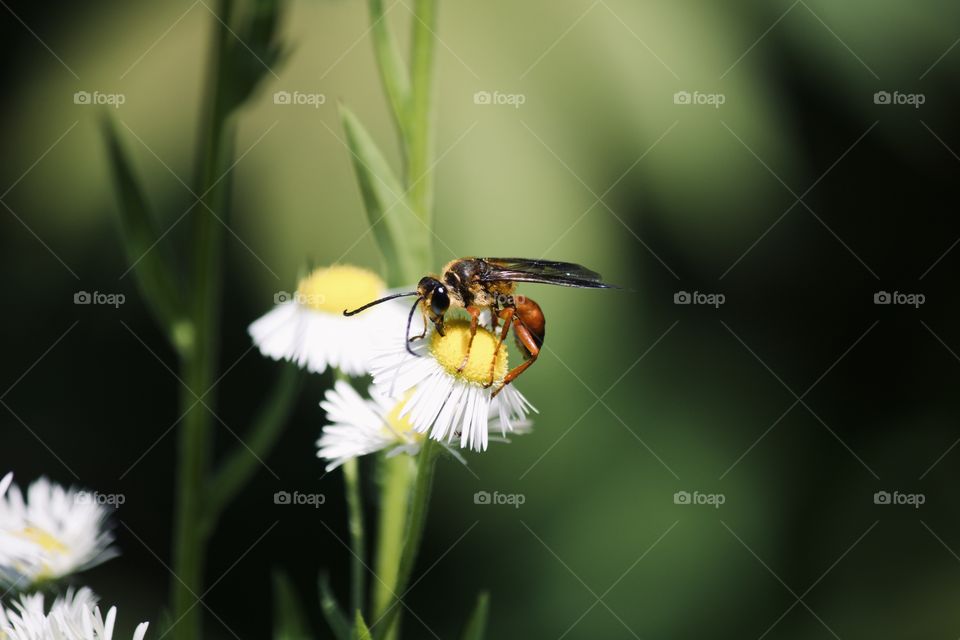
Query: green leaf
point(360, 630)
point(420, 125)
point(393, 72)
point(289, 622)
point(477, 624)
point(332, 611)
point(403, 239)
point(252, 48)
point(152, 269)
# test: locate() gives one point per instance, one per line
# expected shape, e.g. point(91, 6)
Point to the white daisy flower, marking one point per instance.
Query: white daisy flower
point(447, 403)
point(53, 533)
point(74, 616)
point(311, 330)
point(359, 426)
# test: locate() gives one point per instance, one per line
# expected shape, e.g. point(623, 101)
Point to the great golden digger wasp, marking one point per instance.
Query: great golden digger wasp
point(478, 284)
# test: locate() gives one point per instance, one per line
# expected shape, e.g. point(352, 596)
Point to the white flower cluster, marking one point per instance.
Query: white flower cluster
point(51, 533)
point(74, 616)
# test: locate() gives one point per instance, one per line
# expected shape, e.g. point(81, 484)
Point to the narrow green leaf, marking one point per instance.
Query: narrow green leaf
point(152, 269)
point(393, 72)
point(360, 630)
point(332, 612)
point(420, 125)
point(289, 622)
point(477, 624)
point(252, 49)
point(403, 239)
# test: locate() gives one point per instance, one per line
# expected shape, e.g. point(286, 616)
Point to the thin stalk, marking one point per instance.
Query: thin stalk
point(351, 481)
point(396, 481)
point(416, 520)
point(393, 73)
point(199, 362)
point(420, 114)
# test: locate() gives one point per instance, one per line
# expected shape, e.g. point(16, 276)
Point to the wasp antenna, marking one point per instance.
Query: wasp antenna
point(406, 338)
point(376, 302)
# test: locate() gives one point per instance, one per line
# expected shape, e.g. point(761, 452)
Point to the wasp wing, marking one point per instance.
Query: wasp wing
point(564, 274)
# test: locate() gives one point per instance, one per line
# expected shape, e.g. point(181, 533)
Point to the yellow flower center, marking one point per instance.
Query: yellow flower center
point(42, 539)
point(401, 427)
point(339, 287)
point(450, 350)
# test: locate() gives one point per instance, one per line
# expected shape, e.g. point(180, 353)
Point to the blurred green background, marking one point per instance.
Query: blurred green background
point(797, 399)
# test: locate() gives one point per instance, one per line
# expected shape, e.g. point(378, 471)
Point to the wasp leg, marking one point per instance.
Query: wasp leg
point(474, 322)
point(529, 327)
point(529, 342)
point(507, 316)
point(423, 334)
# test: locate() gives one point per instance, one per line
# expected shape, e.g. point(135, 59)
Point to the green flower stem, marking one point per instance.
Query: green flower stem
point(396, 480)
point(405, 489)
point(351, 480)
point(415, 522)
point(420, 113)
point(199, 360)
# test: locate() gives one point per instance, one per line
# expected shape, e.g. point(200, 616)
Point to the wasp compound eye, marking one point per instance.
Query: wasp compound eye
point(439, 301)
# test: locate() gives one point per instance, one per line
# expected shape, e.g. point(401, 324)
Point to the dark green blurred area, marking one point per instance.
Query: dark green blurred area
point(639, 398)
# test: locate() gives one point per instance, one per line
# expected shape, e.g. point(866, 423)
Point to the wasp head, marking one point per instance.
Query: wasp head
point(436, 300)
